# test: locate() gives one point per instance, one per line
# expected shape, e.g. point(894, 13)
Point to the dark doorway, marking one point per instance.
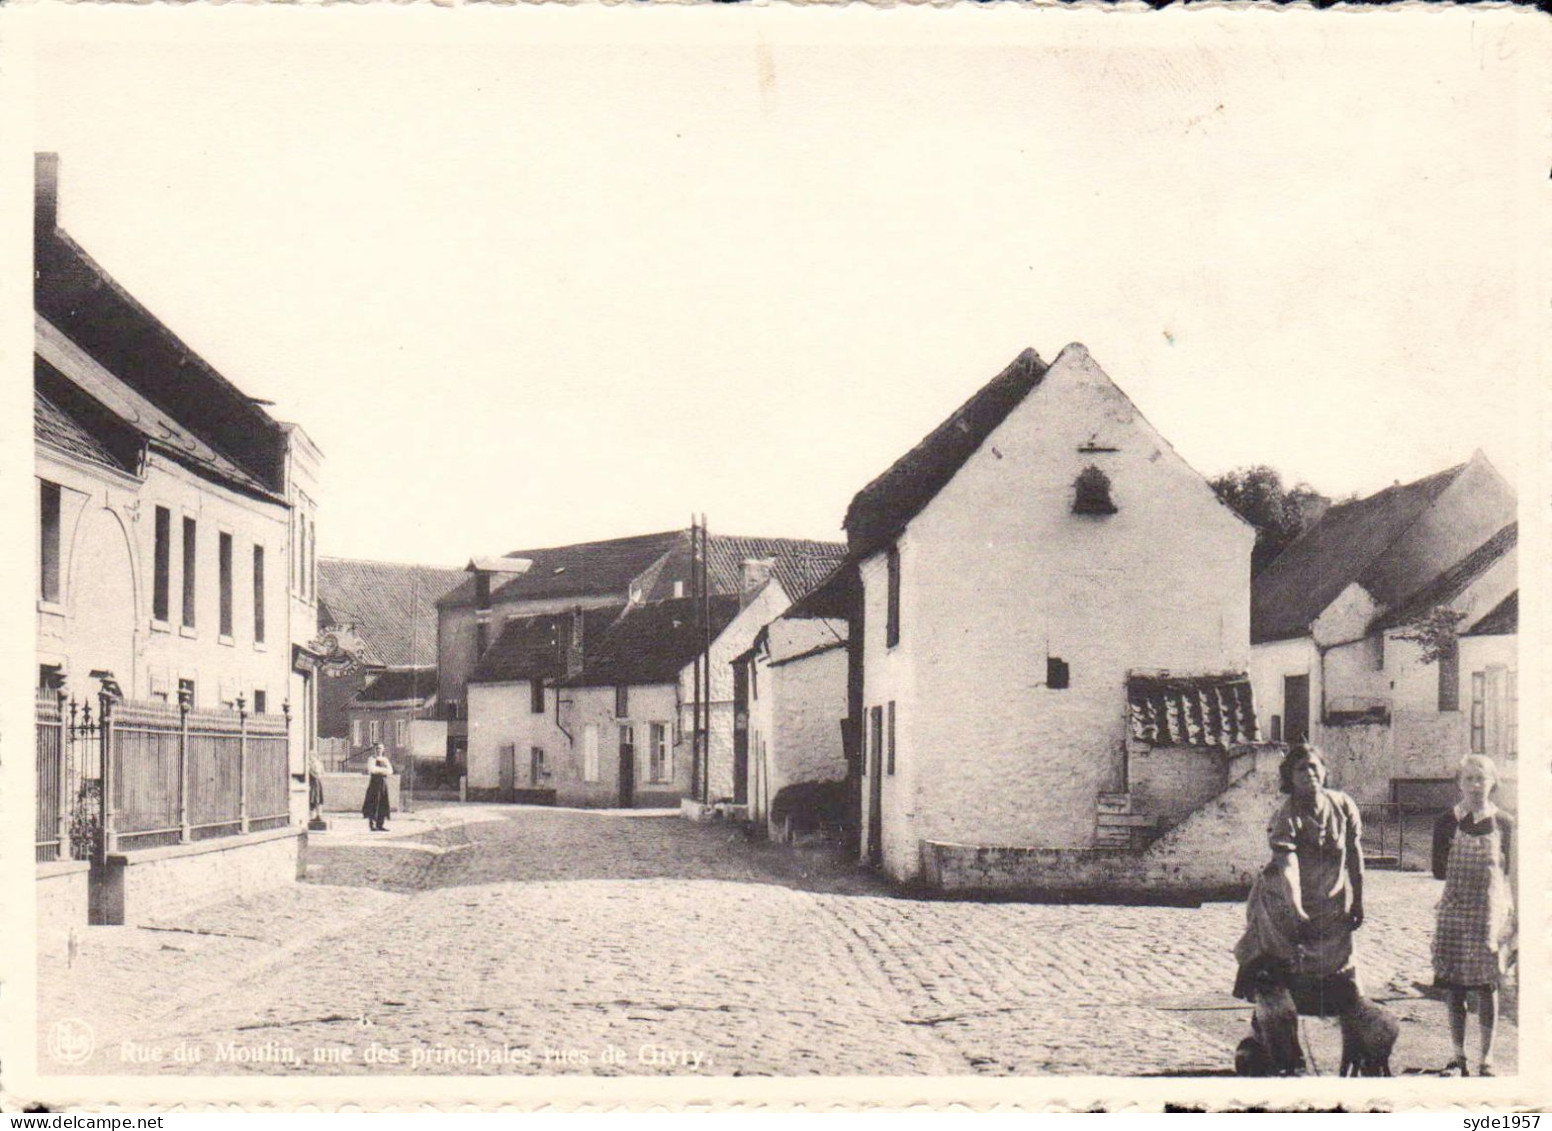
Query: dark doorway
point(627, 766)
point(876, 786)
point(1296, 709)
point(741, 733)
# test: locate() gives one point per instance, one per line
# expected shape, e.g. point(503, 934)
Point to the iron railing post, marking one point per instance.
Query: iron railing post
point(242, 762)
point(185, 809)
point(62, 760)
point(110, 832)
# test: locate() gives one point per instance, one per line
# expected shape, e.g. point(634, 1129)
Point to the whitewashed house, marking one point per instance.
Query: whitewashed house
point(1331, 619)
point(1023, 567)
point(176, 534)
point(789, 702)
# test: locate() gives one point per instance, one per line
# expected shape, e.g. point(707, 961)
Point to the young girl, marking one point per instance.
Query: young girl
point(1473, 853)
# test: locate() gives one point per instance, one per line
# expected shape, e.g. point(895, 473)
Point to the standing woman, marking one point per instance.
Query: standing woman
point(1297, 951)
point(1473, 853)
point(375, 807)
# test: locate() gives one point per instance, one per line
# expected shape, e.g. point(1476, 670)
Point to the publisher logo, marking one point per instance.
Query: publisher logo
point(71, 1041)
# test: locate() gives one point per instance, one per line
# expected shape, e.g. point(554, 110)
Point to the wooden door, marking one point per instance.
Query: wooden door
point(627, 766)
point(876, 786)
point(1296, 709)
point(506, 766)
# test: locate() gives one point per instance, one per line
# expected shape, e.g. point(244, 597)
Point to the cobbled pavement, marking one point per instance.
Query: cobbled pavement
point(537, 939)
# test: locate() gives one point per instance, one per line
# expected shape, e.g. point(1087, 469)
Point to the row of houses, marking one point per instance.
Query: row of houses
point(1041, 636)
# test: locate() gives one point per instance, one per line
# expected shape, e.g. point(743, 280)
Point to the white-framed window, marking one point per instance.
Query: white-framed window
point(402, 732)
point(590, 752)
point(355, 733)
point(374, 730)
point(660, 753)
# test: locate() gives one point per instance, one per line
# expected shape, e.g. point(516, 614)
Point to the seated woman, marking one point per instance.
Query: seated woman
point(1296, 955)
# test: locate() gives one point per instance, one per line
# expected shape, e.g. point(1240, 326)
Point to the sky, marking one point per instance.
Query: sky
point(537, 276)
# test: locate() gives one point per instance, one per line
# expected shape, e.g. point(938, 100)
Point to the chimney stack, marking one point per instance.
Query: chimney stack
point(45, 199)
point(754, 574)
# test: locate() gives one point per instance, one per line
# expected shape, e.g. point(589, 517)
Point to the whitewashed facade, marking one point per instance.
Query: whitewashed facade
point(1001, 587)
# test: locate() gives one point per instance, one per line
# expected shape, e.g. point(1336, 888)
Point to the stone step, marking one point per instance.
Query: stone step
point(1130, 820)
point(1114, 803)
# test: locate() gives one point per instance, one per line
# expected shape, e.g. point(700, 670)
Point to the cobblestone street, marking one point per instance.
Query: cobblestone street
point(488, 940)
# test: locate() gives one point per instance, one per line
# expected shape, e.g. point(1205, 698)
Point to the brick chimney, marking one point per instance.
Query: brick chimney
point(45, 199)
point(754, 573)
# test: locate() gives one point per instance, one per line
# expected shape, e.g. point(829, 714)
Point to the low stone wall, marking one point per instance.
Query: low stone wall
point(152, 883)
point(1212, 854)
point(345, 793)
point(63, 896)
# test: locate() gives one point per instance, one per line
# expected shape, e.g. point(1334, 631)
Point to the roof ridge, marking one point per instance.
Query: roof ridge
point(386, 562)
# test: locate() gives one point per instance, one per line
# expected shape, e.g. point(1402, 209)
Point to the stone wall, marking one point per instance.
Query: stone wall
point(1170, 782)
point(345, 793)
point(1361, 760)
point(154, 883)
point(1212, 854)
point(810, 695)
point(63, 897)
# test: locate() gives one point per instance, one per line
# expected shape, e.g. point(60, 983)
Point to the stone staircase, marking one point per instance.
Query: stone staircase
point(1118, 826)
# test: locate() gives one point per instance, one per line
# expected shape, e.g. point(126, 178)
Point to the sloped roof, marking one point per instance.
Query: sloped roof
point(1203, 710)
point(1455, 580)
point(652, 563)
point(392, 606)
point(95, 312)
point(398, 685)
point(792, 638)
point(51, 425)
point(837, 596)
point(1287, 596)
point(535, 647)
point(798, 564)
point(1502, 620)
point(651, 643)
point(59, 359)
point(881, 510)
point(578, 570)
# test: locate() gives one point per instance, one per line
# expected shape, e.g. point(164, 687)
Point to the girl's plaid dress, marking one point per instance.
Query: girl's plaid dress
point(1475, 913)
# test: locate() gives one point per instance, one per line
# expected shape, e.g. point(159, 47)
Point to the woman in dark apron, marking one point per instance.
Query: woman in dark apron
point(375, 807)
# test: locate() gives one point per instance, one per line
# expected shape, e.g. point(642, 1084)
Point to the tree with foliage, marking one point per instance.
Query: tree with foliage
point(1436, 632)
point(1279, 514)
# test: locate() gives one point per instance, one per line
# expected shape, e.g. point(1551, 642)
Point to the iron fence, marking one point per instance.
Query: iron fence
point(174, 775)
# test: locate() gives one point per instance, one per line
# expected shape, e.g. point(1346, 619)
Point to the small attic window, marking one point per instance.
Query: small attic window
point(1091, 492)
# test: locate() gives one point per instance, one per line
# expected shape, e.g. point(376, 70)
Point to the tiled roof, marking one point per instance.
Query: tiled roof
point(51, 425)
point(798, 564)
point(1205, 710)
point(881, 510)
point(1455, 580)
point(651, 563)
point(392, 606)
point(837, 596)
point(651, 643)
point(535, 647)
point(579, 570)
point(62, 359)
point(90, 308)
point(1287, 596)
point(1502, 620)
point(397, 685)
